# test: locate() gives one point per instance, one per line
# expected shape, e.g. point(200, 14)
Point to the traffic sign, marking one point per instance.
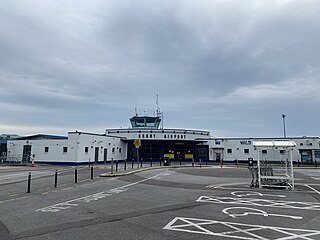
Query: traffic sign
point(137, 143)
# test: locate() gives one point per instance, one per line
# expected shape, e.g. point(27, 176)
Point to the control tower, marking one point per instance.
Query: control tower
point(145, 122)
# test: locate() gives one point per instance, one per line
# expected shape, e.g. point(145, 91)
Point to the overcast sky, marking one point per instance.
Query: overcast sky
point(232, 67)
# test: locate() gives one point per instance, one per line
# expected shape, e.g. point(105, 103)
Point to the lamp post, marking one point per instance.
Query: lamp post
point(284, 125)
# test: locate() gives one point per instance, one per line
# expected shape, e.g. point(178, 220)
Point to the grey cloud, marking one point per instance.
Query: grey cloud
point(217, 65)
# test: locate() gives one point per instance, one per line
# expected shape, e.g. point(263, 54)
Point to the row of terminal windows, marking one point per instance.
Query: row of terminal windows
point(310, 144)
point(64, 149)
point(86, 150)
point(164, 136)
point(247, 151)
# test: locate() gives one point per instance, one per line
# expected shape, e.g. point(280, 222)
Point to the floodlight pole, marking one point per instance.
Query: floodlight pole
point(284, 125)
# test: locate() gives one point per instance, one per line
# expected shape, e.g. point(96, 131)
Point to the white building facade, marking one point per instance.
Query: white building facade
point(156, 145)
point(241, 149)
point(77, 148)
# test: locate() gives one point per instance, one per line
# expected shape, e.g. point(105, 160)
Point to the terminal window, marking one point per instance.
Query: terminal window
point(86, 149)
point(229, 150)
point(46, 149)
point(264, 152)
point(246, 151)
point(65, 149)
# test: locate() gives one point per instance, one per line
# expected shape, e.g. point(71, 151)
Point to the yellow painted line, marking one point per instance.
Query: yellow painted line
point(63, 189)
point(13, 195)
point(45, 193)
point(13, 199)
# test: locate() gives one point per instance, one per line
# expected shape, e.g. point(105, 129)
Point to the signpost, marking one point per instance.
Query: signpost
point(137, 144)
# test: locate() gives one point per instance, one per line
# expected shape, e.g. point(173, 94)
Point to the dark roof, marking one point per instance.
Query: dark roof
point(41, 136)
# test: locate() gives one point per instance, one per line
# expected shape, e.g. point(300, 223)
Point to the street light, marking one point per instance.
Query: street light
point(284, 125)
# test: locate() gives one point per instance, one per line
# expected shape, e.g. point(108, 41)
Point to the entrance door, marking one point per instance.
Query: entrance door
point(179, 156)
point(218, 155)
point(105, 155)
point(96, 154)
point(26, 154)
point(306, 156)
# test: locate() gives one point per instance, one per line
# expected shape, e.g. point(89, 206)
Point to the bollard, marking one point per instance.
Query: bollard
point(141, 163)
point(111, 165)
point(117, 166)
point(125, 164)
point(315, 163)
point(180, 160)
point(160, 162)
point(193, 163)
point(237, 163)
point(75, 175)
point(56, 179)
point(29, 183)
point(132, 163)
point(91, 173)
point(151, 162)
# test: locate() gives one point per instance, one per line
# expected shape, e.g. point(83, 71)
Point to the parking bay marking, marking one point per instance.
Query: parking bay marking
point(236, 230)
point(252, 193)
point(260, 202)
point(93, 197)
point(316, 178)
point(252, 211)
point(312, 188)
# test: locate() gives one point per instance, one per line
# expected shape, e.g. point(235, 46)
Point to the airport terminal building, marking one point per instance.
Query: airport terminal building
point(155, 144)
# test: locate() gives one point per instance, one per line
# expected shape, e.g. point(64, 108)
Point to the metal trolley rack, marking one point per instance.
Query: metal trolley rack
point(274, 164)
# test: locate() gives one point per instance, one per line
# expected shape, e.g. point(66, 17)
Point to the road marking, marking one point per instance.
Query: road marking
point(226, 184)
point(252, 193)
point(261, 202)
point(12, 199)
point(93, 197)
point(312, 188)
point(237, 230)
point(253, 211)
point(315, 178)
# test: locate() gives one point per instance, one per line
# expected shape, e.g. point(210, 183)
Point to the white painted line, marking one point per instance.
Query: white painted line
point(237, 230)
point(315, 178)
point(312, 188)
point(252, 193)
point(315, 206)
point(228, 184)
point(245, 211)
point(93, 197)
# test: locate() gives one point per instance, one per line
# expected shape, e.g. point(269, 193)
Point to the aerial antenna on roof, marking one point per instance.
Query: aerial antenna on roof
point(135, 109)
point(158, 112)
point(158, 109)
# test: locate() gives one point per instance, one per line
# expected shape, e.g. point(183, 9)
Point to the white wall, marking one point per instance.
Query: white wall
point(238, 145)
point(76, 144)
point(79, 142)
point(55, 153)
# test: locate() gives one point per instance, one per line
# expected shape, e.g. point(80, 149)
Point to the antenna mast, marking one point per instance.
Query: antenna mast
point(135, 109)
point(158, 112)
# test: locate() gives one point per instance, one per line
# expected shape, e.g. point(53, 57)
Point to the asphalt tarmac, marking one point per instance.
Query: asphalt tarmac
point(177, 203)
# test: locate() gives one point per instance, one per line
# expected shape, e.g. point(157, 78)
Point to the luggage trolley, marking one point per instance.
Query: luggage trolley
point(274, 164)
